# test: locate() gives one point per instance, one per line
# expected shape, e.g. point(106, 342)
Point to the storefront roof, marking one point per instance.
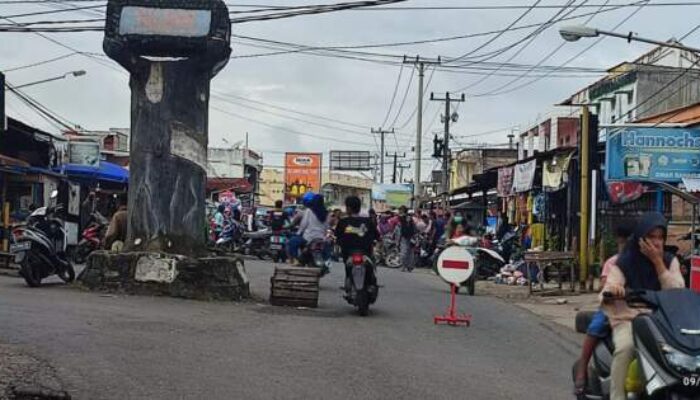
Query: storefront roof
point(237, 185)
point(687, 116)
point(105, 172)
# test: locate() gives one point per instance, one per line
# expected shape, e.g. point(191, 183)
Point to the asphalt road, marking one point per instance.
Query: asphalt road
point(126, 347)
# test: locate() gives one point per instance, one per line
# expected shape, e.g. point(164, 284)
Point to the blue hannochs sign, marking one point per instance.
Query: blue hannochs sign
point(661, 154)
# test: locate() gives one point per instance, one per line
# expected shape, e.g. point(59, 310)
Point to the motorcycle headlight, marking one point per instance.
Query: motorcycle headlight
point(681, 361)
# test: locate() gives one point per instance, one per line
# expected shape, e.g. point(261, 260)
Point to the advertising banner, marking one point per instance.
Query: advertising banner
point(393, 195)
point(302, 173)
point(505, 181)
point(350, 160)
point(84, 153)
point(524, 176)
point(661, 154)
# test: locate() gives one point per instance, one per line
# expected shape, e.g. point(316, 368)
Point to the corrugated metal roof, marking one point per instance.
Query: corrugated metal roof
point(692, 185)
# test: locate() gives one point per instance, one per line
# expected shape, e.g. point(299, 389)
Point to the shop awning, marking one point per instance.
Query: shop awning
point(105, 172)
point(237, 185)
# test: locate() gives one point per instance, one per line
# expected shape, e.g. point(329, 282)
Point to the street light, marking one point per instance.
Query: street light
point(75, 74)
point(572, 33)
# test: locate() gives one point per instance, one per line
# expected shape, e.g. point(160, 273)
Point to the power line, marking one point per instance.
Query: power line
point(393, 97)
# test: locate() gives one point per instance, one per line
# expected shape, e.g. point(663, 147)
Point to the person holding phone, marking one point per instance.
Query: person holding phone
point(642, 265)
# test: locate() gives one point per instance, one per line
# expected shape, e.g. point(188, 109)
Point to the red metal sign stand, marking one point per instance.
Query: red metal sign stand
point(452, 318)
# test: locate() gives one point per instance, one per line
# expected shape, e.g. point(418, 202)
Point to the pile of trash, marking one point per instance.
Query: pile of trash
point(515, 274)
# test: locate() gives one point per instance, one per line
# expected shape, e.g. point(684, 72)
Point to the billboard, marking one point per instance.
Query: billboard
point(84, 153)
point(393, 195)
point(661, 154)
point(350, 161)
point(302, 173)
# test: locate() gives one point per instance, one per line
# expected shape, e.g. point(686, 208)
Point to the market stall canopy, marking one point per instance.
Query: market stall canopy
point(237, 185)
point(105, 172)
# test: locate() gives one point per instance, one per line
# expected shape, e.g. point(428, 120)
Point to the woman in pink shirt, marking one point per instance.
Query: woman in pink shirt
point(643, 265)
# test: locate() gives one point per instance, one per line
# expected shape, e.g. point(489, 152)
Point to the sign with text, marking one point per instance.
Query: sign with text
point(350, 161)
point(661, 154)
point(302, 173)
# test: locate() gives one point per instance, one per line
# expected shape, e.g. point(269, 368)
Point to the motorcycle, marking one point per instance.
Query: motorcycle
point(508, 247)
point(361, 287)
point(667, 344)
point(487, 262)
point(387, 252)
point(277, 245)
point(40, 247)
point(422, 251)
point(231, 238)
point(256, 243)
point(91, 238)
point(313, 255)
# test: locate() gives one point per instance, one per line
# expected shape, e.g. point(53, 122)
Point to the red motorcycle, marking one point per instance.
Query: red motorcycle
point(91, 239)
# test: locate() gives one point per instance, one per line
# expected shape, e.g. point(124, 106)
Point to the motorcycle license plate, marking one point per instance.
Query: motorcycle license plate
point(19, 247)
point(275, 246)
point(691, 381)
point(277, 239)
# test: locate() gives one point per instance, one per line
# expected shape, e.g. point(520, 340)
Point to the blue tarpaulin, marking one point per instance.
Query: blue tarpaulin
point(105, 172)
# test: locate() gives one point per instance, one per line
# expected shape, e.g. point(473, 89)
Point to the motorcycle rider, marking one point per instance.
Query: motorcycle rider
point(312, 227)
point(599, 327)
point(643, 265)
point(407, 230)
point(355, 233)
point(219, 220)
point(277, 218)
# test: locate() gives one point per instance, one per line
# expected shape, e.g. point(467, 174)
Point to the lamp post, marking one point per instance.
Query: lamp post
point(75, 74)
point(572, 33)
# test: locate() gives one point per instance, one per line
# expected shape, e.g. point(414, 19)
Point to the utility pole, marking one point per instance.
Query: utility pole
point(420, 63)
point(401, 168)
point(447, 118)
point(381, 133)
point(396, 164)
point(583, 222)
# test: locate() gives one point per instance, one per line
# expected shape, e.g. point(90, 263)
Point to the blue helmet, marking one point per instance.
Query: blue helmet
point(307, 198)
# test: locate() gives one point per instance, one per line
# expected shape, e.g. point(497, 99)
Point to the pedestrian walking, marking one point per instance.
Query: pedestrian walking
point(407, 230)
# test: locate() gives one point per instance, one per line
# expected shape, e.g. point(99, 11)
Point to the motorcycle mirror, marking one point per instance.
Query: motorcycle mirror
point(54, 194)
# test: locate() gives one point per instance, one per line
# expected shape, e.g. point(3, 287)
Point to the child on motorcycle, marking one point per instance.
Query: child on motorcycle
point(642, 265)
point(599, 327)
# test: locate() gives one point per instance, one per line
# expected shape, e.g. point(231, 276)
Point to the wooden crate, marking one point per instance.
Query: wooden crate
point(297, 287)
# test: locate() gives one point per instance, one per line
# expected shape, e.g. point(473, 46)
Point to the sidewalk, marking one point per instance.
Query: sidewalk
point(24, 377)
point(559, 309)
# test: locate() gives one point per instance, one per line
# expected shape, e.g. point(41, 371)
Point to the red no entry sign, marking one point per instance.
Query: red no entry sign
point(455, 264)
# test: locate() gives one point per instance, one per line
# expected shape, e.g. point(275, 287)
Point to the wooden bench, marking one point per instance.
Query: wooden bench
point(560, 260)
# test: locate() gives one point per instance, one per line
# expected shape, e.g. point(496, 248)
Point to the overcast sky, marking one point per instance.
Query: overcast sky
point(353, 91)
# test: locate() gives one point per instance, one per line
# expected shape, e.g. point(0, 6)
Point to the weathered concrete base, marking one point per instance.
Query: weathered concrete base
point(212, 278)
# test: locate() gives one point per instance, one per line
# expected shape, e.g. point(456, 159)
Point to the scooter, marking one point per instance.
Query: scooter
point(277, 245)
point(256, 243)
point(231, 238)
point(313, 255)
point(91, 238)
point(667, 344)
point(40, 247)
point(361, 287)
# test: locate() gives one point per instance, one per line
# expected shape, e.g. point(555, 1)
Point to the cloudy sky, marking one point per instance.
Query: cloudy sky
point(336, 98)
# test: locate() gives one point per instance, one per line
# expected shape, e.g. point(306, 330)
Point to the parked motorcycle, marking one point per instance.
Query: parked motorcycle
point(40, 247)
point(422, 250)
point(361, 287)
point(387, 252)
point(667, 344)
point(91, 238)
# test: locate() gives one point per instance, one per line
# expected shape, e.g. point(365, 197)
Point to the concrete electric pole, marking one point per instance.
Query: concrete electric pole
point(447, 118)
point(401, 168)
point(420, 63)
point(396, 164)
point(381, 132)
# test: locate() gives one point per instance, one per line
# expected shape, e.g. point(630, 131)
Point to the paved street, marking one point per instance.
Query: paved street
point(119, 347)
